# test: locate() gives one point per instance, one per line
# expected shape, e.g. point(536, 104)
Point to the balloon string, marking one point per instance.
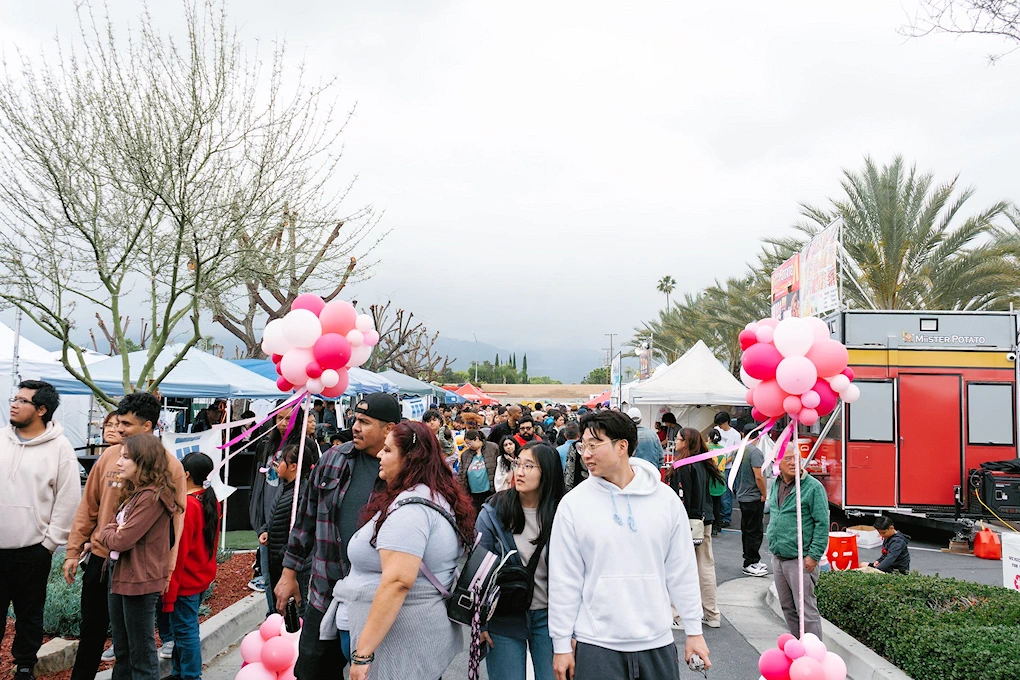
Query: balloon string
point(718, 452)
point(290, 401)
point(300, 462)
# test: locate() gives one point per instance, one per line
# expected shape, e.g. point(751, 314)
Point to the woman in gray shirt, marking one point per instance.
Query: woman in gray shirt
point(398, 622)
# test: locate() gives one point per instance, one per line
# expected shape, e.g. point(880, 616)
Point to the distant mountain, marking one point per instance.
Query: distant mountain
point(568, 365)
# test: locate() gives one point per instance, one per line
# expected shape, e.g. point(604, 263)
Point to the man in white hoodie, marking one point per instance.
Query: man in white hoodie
point(41, 490)
point(621, 550)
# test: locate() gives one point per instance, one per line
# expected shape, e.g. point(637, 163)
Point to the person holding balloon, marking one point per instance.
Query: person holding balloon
point(274, 538)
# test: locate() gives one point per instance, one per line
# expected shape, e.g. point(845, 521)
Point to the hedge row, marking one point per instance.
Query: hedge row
point(933, 628)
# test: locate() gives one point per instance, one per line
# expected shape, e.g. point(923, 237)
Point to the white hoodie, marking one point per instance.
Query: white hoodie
point(616, 559)
point(41, 488)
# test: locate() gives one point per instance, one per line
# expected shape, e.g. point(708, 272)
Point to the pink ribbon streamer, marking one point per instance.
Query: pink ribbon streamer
point(290, 402)
point(719, 452)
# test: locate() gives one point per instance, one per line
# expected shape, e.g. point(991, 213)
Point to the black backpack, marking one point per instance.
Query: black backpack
point(516, 582)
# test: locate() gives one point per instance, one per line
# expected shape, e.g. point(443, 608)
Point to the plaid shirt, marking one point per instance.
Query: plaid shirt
point(316, 529)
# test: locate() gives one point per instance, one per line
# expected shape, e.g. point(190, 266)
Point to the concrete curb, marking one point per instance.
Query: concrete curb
point(220, 632)
point(861, 662)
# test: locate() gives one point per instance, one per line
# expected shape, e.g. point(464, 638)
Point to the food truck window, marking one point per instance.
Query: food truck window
point(990, 414)
point(871, 416)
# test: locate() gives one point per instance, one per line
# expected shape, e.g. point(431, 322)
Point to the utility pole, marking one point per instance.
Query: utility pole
point(611, 357)
point(476, 357)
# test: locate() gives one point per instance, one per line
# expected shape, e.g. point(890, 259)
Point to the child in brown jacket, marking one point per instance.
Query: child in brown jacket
point(139, 540)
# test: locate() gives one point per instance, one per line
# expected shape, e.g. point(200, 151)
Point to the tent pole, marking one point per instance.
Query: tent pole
point(226, 477)
point(17, 347)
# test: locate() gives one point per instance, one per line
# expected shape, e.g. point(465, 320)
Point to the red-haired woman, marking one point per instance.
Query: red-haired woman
point(398, 622)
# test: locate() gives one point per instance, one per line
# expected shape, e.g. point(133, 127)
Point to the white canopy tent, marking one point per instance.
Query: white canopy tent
point(693, 388)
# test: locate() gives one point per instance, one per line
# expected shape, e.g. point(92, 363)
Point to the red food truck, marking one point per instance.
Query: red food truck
point(938, 399)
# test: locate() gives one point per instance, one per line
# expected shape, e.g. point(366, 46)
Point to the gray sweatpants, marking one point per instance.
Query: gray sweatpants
point(788, 588)
point(598, 663)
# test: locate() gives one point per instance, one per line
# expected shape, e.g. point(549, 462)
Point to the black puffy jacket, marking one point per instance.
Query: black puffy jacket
point(278, 527)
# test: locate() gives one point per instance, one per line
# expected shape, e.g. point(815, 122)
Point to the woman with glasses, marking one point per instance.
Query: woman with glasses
point(520, 519)
point(692, 483)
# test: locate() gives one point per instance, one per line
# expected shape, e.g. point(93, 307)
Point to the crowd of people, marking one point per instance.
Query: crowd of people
point(605, 547)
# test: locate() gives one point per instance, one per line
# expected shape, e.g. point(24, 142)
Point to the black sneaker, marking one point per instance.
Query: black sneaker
point(24, 673)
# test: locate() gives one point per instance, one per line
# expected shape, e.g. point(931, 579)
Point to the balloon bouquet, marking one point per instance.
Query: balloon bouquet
point(313, 347)
point(792, 367)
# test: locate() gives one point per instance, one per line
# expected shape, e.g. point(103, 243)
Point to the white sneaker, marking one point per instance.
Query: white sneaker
point(758, 569)
point(108, 654)
point(677, 624)
point(711, 624)
point(167, 650)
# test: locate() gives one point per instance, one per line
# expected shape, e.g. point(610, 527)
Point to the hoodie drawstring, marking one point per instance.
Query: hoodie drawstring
point(630, 514)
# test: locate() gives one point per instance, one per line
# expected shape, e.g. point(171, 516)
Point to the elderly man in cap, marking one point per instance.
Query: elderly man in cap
point(337, 490)
point(648, 445)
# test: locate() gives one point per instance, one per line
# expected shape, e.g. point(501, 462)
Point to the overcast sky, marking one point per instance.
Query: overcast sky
point(542, 164)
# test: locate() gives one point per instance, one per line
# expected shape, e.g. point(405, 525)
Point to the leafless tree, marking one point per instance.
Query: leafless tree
point(996, 18)
point(405, 345)
point(135, 169)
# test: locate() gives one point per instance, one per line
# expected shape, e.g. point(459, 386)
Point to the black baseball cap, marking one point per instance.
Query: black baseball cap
point(380, 406)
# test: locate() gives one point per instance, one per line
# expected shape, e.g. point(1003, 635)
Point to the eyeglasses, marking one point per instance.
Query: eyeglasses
point(526, 467)
point(582, 447)
point(19, 400)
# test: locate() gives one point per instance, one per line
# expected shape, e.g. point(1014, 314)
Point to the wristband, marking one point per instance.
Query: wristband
point(358, 660)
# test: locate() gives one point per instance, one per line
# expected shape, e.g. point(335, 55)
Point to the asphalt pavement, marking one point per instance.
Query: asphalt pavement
point(735, 652)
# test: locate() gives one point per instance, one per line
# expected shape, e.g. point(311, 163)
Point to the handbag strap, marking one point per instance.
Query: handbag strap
point(426, 572)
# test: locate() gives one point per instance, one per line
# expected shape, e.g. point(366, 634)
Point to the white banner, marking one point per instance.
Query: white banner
point(183, 443)
point(1011, 560)
point(414, 408)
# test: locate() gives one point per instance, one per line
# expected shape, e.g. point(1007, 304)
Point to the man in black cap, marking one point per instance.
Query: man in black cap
point(337, 490)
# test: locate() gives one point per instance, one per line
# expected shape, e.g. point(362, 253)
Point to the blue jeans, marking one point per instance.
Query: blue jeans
point(506, 659)
point(187, 657)
point(727, 504)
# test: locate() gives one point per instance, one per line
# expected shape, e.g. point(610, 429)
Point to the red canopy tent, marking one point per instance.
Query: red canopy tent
point(472, 393)
point(601, 399)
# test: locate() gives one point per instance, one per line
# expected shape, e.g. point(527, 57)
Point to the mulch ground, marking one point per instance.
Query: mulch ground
point(232, 579)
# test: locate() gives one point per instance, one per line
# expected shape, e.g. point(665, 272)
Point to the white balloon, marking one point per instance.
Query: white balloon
point(315, 386)
point(329, 377)
point(359, 356)
point(273, 341)
point(301, 327)
point(793, 337)
point(838, 383)
point(851, 393)
point(364, 323)
point(748, 380)
point(819, 328)
point(356, 338)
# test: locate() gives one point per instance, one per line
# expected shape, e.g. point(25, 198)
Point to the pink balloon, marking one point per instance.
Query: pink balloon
point(279, 371)
point(255, 671)
point(283, 385)
point(783, 639)
point(287, 674)
point(251, 647)
point(814, 647)
point(332, 350)
point(338, 316)
point(810, 399)
point(758, 415)
point(277, 654)
point(338, 389)
point(839, 383)
point(764, 334)
point(768, 398)
point(313, 369)
point(808, 416)
point(294, 363)
point(792, 405)
point(794, 649)
point(310, 301)
point(796, 375)
point(834, 667)
point(750, 326)
point(806, 668)
point(270, 628)
point(771, 323)
point(276, 358)
point(371, 338)
point(774, 665)
point(750, 396)
point(746, 339)
point(355, 337)
point(830, 357)
point(827, 398)
point(760, 361)
point(849, 373)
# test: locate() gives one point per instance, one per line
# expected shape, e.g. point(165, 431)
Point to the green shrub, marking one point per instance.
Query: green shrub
point(933, 628)
point(62, 614)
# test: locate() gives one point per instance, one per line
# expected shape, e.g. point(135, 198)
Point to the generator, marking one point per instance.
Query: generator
point(999, 489)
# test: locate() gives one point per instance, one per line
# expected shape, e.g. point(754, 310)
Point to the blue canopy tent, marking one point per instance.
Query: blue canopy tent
point(198, 375)
point(413, 386)
point(361, 381)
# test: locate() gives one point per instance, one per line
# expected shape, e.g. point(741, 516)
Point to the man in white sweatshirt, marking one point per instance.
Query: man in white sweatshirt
point(621, 550)
point(41, 490)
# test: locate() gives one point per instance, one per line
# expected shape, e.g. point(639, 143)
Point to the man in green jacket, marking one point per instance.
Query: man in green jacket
point(782, 535)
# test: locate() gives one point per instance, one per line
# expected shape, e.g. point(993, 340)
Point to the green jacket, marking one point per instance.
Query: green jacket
point(782, 532)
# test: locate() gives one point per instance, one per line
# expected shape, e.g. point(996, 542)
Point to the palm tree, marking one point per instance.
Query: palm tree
point(908, 245)
point(666, 285)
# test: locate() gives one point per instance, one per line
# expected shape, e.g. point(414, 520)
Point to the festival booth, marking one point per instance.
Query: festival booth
point(599, 399)
point(693, 388)
point(473, 394)
point(420, 388)
point(361, 381)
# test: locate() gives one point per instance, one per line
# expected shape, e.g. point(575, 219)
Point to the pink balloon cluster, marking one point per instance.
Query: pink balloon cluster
point(803, 659)
point(792, 367)
point(315, 344)
point(269, 653)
